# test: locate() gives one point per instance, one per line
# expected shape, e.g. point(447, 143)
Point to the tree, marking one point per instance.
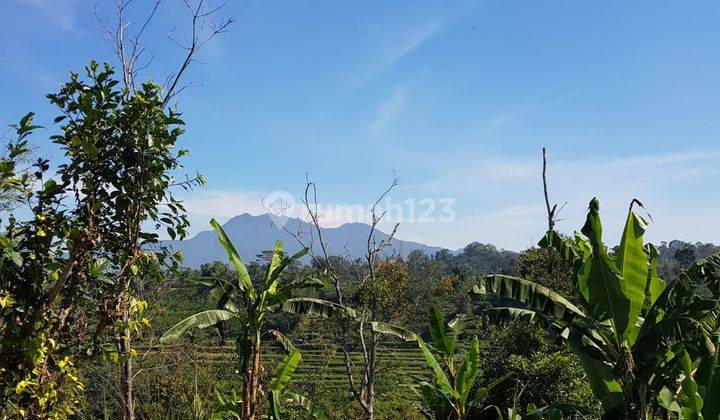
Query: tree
point(448, 396)
point(373, 315)
point(67, 280)
point(252, 303)
point(127, 46)
point(635, 335)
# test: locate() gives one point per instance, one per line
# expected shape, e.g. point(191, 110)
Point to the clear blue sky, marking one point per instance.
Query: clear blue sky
point(456, 98)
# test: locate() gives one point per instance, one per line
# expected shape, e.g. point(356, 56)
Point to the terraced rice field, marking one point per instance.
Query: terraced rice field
point(321, 364)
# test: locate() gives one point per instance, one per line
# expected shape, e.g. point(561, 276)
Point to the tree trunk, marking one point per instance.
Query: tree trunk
point(251, 384)
point(126, 377)
point(371, 371)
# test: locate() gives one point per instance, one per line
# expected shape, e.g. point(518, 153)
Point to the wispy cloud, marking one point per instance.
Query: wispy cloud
point(405, 43)
point(61, 13)
point(393, 46)
point(391, 107)
point(507, 117)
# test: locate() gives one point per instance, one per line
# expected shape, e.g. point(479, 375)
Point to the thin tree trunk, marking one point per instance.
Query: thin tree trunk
point(251, 383)
point(126, 377)
point(371, 371)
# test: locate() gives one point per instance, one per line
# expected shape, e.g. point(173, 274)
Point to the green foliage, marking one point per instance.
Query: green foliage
point(69, 270)
point(447, 396)
point(551, 375)
point(546, 267)
point(628, 334)
point(258, 300)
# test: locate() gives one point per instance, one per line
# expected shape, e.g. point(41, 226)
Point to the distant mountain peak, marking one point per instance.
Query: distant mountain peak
point(252, 234)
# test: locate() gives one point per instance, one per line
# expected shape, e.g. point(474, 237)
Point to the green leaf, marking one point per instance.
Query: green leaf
point(285, 370)
point(394, 330)
point(440, 378)
point(274, 399)
point(600, 374)
point(708, 379)
point(632, 263)
point(199, 320)
point(537, 298)
point(599, 279)
point(271, 278)
point(691, 403)
point(312, 411)
point(572, 252)
point(235, 259)
point(282, 340)
point(318, 307)
point(468, 371)
point(655, 285)
point(442, 341)
point(483, 390)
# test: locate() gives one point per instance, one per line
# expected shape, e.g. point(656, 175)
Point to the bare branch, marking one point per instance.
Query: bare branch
point(552, 212)
point(200, 18)
point(128, 47)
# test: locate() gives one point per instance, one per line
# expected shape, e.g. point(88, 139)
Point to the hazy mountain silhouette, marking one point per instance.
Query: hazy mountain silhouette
point(253, 234)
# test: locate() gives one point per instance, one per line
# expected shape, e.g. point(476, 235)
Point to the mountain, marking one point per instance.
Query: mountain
point(252, 235)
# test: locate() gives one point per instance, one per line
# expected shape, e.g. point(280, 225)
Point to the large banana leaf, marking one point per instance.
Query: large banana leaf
point(503, 315)
point(442, 341)
point(282, 340)
point(655, 285)
point(691, 402)
point(443, 384)
point(436, 403)
point(632, 263)
point(283, 375)
point(318, 307)
point(271, 278)
point(244, 278)
point(708, 378)
point(468, 371)
point(285, 370)
point(199, 320)
point(394, 330)
point(602, 379)
point(536, 297)
point(599, 280)
point(573, 252)
point(483, 390)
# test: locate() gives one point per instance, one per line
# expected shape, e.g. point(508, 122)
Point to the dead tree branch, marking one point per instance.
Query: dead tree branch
point(127, 45)
point(552, 211)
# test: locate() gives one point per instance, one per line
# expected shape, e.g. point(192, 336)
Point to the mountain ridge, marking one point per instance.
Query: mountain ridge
point(253, 234)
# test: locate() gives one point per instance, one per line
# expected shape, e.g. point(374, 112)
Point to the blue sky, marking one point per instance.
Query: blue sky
point(455, 98)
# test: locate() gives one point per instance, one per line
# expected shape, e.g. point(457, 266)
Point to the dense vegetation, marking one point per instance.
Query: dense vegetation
point(98, 320)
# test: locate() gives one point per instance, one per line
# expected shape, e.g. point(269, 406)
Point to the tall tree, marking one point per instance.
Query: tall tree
point(128, 47)
point(72, 265)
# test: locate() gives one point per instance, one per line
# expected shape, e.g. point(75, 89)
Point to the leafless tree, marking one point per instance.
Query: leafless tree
point(361, 330)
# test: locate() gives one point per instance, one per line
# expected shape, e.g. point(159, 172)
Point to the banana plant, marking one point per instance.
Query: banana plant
point(251, 303)
point(277, 392)
point(448, 396)
point(636, 336)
